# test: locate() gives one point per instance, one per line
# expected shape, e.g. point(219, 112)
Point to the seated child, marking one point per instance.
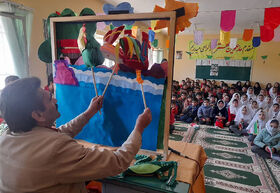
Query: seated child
point(268, 140)
point(257, 124)
point(232, 111)
point(254, 107)
point(198, 96)
point(190, 113)
point(268, 103)
point(261, 101)
point(273, 111)
point(244, 99)
point(173, 113)
point(204, 113)
point(241, 121)
point(250, 93)
point(213, 101)
point(220, 114)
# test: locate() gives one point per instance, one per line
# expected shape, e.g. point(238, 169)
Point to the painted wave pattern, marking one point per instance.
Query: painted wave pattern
point(118, 81)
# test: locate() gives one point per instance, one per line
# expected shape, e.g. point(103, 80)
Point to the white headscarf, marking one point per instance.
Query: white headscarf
point(234, 97)
point(275, 100)
point(233, 109)
point(262, 104)
point(261, 123)
point(252, 96)
point(268, 105)
point(273, 95)
point(272, 114)
point(247, 117)
point(246, 102)
point(218, 104)
point(272, 131)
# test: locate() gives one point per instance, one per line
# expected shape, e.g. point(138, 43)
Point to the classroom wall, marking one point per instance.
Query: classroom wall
point(41, 10)
point(261, 72)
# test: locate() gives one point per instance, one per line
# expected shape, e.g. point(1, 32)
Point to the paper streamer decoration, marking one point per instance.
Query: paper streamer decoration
point(248, 34)
point(272, 17)
point(167, 44)
point(227, 20)
point(153, 25)
point(276, 35)
point(190, 9)
point(100, 25)
point(267, 33)
point(233, 43)
point(151, 35)
point(224, 37)
point(214, 44)
point(198, 37)
point(134, 30)
point(155, 43)
point(256, 41)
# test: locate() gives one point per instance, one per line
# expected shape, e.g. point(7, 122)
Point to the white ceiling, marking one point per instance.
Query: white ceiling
point(250, 13)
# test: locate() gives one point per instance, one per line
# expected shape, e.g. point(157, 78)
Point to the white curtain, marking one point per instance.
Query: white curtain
point(16, 21)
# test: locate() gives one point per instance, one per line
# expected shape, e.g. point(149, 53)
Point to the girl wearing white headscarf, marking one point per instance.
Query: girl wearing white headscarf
point(254, 107)
point(241, 121)
point(268, 103)
point(244, 100)
point(257, 124)
point(274, 111)
point(273, 92)
point(277, 100)
point(235, 96)
point(232, 112)
point(261, 101)
point(267, 141)
point(250, 94)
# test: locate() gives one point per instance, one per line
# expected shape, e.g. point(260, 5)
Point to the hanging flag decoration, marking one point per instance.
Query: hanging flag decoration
point(153, 25)
point(224, 37)
point(214, 44)
point(100, 25)
point(264, 58)
point(267, 33)
point(256, 41)
point(155, 43)
point(227, 20)
point(167, 44)
point(248, 34)
point(272, 17)
point(233, 43)
point(151, 35)
point(134, 30)
point(184, 12)
point(276, 35)
point(198, 37)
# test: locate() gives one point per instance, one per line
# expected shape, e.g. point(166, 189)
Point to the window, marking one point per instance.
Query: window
point(157, 55)
point(7, 63)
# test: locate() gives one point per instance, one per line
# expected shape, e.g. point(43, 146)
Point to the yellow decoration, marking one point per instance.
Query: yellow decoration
point(224, 37)
point(153, 25)
point(242, 49)
point(134, 30)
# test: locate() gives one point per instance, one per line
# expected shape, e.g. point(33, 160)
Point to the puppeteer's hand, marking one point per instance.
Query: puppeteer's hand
point(143, 120)
point(94, 106)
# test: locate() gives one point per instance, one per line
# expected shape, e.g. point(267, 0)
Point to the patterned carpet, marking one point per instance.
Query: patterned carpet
point(231, 166)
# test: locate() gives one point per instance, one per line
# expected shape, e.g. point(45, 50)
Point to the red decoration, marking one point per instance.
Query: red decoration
point(267, 33)
point(272, 17)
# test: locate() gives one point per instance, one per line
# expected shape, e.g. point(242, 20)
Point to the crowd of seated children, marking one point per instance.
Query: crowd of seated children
point(250, 110)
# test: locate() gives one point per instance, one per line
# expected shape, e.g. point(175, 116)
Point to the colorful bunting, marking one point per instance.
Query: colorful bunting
point(224, 37)
point(198, 37)
point(256, 41)
point(214, 44)
point(134, 30)
point(227, 20)
point(248, 34)
point(267, 33)
point(233, 43)
point(153, 25)
point(167, 44)
point(151, 35)
point(272, 17)
point(155, 43)
point(190, 11)
point(276, 35)
point(264, 58)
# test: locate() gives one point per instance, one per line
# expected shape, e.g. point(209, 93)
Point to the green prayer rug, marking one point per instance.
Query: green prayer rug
point(231, 165)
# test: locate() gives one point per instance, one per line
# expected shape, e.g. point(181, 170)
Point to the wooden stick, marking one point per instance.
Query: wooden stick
point(144, 100)
point(94, 83)
point(115, 67)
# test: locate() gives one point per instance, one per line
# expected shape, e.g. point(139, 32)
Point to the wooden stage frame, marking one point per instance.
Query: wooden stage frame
point(171, 16)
